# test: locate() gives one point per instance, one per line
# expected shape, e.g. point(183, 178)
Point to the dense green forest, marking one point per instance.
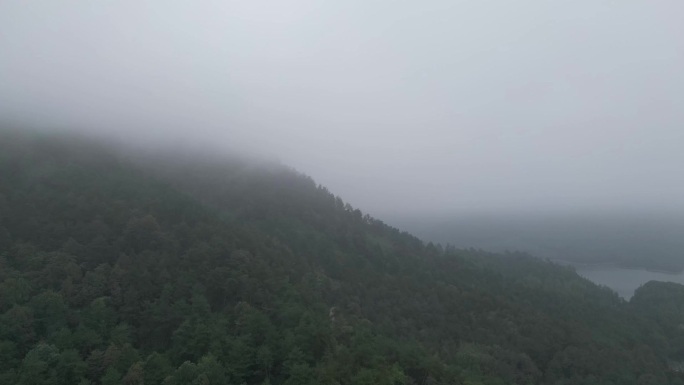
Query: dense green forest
point(125, 268)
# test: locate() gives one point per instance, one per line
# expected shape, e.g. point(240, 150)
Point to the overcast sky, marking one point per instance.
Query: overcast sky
point(397, 106)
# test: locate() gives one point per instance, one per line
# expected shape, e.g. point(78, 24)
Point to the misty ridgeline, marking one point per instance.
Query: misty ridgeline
point(170, 269)
point(172, 177)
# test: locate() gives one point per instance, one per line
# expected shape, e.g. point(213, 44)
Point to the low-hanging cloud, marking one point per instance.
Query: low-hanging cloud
point(395, 105)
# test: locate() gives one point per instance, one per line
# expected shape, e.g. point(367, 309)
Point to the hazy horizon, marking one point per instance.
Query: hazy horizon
point(398, 107)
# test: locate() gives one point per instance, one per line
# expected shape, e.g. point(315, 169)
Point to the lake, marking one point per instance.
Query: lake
point(625, 281)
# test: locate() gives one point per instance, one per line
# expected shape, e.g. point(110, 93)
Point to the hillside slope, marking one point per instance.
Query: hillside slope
point(169, 270)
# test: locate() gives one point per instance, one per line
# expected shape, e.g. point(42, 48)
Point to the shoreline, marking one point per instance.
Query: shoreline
point(616, 265)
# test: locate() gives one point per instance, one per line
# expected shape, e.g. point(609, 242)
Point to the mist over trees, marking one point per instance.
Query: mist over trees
point(418, 107)
point(172, 177)
point(636, 238)
point(174, 271)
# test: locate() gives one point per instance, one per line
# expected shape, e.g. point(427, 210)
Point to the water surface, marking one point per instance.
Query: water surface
point(625, 281)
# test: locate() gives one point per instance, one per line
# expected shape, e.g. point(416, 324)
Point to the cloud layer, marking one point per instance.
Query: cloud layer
point(395, 105)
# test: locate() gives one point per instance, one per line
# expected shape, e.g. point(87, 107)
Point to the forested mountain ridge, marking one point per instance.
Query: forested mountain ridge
point(169, 270)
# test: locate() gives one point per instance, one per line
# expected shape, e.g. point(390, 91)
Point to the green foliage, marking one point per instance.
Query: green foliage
point(162, 270)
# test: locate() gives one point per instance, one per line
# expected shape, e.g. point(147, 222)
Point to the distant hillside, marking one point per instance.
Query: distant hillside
point(120, 268)
point(629, 239)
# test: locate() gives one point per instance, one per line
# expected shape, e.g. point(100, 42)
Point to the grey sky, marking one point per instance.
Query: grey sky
point(394, 105)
